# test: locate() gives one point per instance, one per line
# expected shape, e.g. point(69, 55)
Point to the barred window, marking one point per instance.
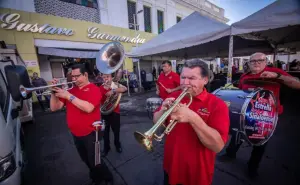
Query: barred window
point(87, 3)
point(178, 19)
point(160, 21)
point(131, 6)
point(147, 19)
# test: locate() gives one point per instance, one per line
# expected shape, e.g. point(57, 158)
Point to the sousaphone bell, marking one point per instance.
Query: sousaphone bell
point(109, 60)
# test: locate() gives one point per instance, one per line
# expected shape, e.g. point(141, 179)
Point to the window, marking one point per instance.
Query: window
point(4, 96)
point(216, 9)
point(57, 71)
point(160, 21)
point(178, 19)
point(131, 6)
point(87, 3)
point(207, 4)
point(147, 19)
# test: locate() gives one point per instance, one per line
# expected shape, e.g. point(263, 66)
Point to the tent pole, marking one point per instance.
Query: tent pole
point(128, 88)
point(139, 71)
point(229, 73)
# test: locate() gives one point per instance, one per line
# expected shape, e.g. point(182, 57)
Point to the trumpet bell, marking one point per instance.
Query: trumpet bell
point(110, 58)
point(143, 140)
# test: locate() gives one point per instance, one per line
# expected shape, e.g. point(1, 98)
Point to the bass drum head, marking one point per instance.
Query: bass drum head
point(260, 117)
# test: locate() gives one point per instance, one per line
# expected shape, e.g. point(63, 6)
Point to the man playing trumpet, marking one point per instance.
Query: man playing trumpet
point(83, 109)
point(201, 131)
point(108, 89)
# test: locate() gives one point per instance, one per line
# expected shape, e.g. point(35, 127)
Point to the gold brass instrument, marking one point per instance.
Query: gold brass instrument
point(46, 89)
point(110, 103)
point(146, 138)
point(109, 60)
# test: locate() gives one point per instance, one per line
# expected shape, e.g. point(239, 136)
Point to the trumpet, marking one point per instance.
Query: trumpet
point(147, 138)
point(46, 89)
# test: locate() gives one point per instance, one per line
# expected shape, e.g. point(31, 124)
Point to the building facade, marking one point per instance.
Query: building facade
point(137, 18)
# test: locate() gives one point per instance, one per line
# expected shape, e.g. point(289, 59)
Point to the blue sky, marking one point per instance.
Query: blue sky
point(236, 10)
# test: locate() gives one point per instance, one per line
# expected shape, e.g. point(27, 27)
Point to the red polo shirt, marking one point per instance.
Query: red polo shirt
point(103, 92)
point(80, 122)
point(170, 81)
point(186, 160)
point(275, 88)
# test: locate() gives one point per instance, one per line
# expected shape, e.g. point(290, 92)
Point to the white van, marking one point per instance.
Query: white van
point(11, 155)
point(26, 115)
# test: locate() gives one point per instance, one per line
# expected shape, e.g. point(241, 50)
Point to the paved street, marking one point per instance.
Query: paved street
point(53, 159)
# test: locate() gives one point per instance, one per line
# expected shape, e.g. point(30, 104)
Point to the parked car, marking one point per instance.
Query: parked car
point(11, 154)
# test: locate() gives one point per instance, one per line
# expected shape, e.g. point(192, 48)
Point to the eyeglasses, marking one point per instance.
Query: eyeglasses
point(76, 76)
point(257, 61)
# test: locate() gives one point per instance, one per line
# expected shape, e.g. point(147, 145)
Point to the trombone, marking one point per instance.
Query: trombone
point(147, 138)
point(46, 89)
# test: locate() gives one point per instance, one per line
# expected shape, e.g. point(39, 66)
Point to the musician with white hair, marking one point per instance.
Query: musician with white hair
point(258, 69)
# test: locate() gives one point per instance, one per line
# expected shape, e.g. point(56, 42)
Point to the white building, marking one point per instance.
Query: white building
point(154, 16)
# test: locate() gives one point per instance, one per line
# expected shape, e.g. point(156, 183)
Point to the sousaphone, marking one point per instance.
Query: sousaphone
point(110, 58)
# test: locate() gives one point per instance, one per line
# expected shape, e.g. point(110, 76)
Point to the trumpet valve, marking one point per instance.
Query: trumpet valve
point(144, 140)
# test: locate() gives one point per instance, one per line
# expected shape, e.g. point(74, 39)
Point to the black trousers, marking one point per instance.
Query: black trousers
point(166, 179)
point(256, 154)
point(112, 121)
point(86, 148)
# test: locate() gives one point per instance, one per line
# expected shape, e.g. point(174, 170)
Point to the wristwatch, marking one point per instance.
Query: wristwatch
point(114, 91)
point(278, 75)
point(72, 98)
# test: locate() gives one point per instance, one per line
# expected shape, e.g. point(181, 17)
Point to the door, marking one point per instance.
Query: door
point(57, 70)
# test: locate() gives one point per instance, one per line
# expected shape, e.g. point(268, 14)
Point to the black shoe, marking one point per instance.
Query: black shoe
point(119, 149)
point(226, 158)
point(105, 152)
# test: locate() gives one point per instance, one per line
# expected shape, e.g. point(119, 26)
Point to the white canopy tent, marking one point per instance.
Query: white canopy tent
point(166, 44)
point(278, 24)
point(275, 26)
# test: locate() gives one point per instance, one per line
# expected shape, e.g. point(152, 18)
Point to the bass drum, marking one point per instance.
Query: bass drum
point(253, 114)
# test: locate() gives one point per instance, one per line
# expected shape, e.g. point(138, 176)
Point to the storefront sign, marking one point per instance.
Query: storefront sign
point(31, 63)
point(11, 21)
point(94, 33)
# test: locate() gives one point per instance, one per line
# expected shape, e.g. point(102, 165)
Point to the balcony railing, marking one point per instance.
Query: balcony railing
point(65, 9)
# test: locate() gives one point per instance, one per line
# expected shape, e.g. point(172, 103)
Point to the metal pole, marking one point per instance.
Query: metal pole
point(139, 71)
point(229, 73)
point(128, 88)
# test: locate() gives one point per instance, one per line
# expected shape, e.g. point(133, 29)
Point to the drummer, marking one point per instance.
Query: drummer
point(258, 69)
point(168, 81)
